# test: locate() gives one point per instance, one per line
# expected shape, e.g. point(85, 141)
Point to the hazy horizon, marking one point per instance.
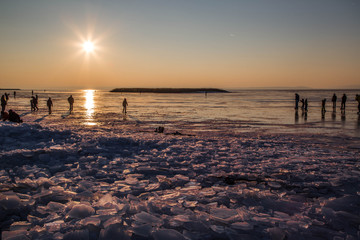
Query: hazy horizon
point(221, 44)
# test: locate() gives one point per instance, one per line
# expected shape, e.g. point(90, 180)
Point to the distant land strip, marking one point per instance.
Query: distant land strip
point(170, 90)
point(1, 89)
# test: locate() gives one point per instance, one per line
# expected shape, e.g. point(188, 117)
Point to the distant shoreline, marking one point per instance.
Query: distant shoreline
point(170, 90)
point(10, 89)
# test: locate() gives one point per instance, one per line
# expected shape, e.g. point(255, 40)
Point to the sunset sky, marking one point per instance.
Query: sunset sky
point(188, 43)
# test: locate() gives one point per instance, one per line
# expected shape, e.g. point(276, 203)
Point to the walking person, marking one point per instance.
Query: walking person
point(297, 99)
point(49, 104)
point(357, 98)
point(343, 102)
point(3, 103)
point(125, 104)
point(334, 98)
point(323, 102)
point(36, 102)
point(71, 103)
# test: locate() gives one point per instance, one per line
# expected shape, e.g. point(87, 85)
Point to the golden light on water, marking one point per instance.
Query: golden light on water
point(89, 106)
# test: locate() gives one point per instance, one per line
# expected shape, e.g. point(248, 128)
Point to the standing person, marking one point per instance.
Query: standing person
point(297, 99)
point(3, 103)
point(32, 92)
point(323, 102)
point(306, 105)
point(6, 96)
point(14, 94)
point(71, 103)
point(357, 98)
point(125, 104)
point(343, 102)
point(36, 102)
point(32, 103)
point(302, 103)
point(49, 103)
point(334, 98)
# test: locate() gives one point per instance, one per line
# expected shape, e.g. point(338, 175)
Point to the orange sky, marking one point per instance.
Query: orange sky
point(224, 44)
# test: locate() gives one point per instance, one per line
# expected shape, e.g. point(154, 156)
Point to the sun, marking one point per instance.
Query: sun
point(88, 46)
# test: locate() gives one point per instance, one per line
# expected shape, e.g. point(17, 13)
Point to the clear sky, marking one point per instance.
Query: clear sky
point(187, 43)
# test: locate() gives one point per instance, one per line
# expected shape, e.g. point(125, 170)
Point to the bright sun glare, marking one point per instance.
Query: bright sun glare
point(88, 46)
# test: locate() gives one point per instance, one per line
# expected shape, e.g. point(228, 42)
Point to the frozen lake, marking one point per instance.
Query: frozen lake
point(238, 111)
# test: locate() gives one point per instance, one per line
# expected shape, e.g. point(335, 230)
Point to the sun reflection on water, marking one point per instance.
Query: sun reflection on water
point(89, 106)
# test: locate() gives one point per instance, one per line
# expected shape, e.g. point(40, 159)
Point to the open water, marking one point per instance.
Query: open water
point(237, 111)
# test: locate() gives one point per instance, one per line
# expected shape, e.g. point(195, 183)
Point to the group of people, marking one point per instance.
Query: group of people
point(49, 103)
point(323, 103)
point(11, 115)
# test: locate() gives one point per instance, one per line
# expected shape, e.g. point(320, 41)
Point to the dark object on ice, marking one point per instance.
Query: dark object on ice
point(49, 104)
point(36, 102)
point(297, 99)
point(159, 129)
point(302, 104)
point(71, 103)
point(125, 104)
point(3, 103)
point(169, 90)
point(323, 102)
point(343, 102)
point(4, 116)
point(14, 94)
point(357, 98)
point(334, 99)
point(306, 105)
point(14, 117)
point(6, 96)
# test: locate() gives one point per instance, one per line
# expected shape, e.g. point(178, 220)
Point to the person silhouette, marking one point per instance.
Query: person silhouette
point(306, 105)
point(14, 117)
point(125, 104)
point(297, 99)
point(302, 104)
point(36, 102)
point(3, 103)
point(14, 94)
point(49, 104)
point(323, 102)
point(333, 99)
point(32, 103)
point(357, 98)
point(71, 103)
point(343, 102)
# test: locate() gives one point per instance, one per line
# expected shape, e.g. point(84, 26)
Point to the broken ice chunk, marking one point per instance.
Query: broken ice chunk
point(143, 230)
point(166, 234)
point(242, 226)
point(77, 235)
point(95, 221)
point(147, 218)
point(224, 215)
point(81, 211)
point(54, 226)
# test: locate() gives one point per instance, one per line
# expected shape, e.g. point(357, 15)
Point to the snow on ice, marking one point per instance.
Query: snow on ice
point(61, 182)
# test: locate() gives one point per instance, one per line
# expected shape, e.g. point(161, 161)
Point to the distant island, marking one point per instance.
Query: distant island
point(9, 89)
point(169, 90)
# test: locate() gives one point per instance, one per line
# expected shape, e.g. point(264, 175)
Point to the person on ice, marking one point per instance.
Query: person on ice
point(125, 104)
point(297, 99)
point(14, 117)
point(343, 102)
point(71, 103)
point(357, 98)
point(49, 104)
point(323, 102)
point(334, 98)
point(4, 116)
point(3, 103)
point(306, 105)
point(36, 102)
